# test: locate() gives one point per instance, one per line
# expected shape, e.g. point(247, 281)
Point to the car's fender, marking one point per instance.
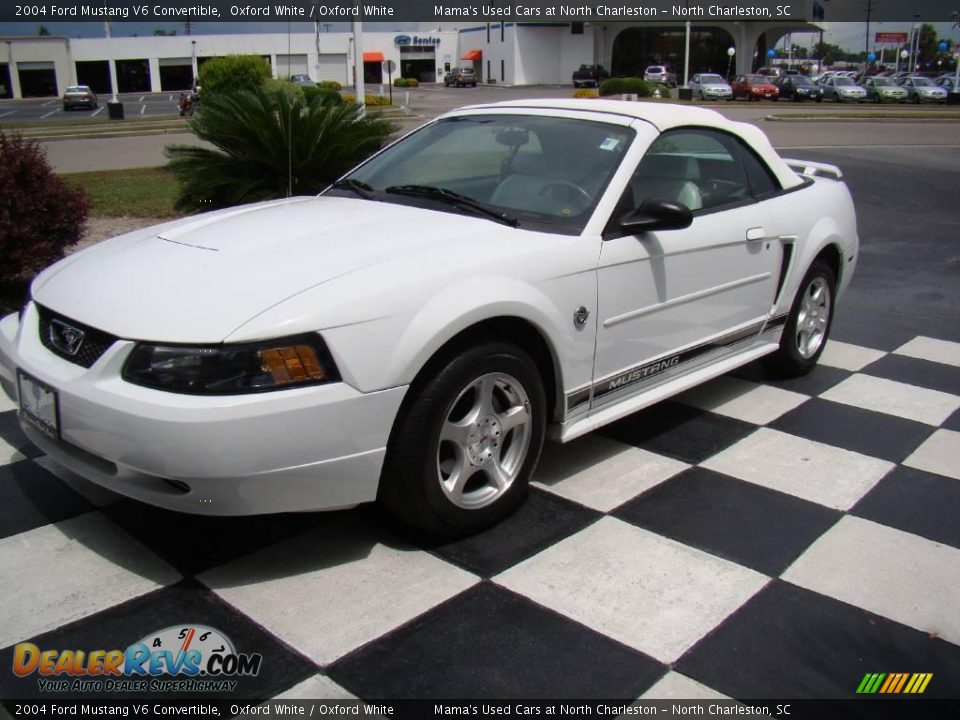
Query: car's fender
point(382, 324)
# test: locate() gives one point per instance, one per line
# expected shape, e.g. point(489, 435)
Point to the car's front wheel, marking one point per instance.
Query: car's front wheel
point(466, 443)
point(808, 325)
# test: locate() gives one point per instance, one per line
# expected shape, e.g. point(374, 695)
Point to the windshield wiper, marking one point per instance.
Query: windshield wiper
point(357, 186)
point(453, 199)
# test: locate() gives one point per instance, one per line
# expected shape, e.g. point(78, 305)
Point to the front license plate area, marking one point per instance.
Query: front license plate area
point(39, 405)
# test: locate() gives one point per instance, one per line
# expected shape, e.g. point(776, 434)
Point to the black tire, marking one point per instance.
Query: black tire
point(788, 360)
point(411, 485)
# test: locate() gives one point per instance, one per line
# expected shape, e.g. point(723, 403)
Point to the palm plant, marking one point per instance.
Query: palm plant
point(270, 143)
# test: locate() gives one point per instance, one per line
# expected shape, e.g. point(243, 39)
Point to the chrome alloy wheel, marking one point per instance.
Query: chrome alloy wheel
point(484, 440)
point(812, 318)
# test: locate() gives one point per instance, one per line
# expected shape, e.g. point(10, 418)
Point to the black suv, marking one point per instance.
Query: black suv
point(589, 76)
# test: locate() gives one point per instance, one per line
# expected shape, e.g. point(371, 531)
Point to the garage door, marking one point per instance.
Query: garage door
point(331, 67)
point(37, 79)
point(288, 65)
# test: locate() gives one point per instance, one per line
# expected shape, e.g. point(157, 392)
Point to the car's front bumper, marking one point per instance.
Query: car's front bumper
point(312, 448)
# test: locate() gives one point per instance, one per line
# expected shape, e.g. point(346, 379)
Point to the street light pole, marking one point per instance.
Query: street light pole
point(686, 57)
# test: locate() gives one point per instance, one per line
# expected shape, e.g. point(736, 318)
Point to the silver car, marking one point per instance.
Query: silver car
point(881, 89)
point(709, 86)
point(660, 74)
point(840, 89)
point(921, 89)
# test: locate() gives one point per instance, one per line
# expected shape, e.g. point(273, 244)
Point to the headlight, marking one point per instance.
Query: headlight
point(231, 369)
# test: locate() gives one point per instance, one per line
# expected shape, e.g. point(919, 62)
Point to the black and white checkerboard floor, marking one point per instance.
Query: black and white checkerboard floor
point(750, 539)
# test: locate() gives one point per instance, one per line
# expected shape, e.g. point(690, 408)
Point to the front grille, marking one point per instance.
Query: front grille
point(95, 342)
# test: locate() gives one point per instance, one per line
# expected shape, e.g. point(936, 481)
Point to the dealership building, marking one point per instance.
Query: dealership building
point(508, 53)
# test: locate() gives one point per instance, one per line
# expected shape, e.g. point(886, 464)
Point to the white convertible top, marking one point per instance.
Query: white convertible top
point(665, 116)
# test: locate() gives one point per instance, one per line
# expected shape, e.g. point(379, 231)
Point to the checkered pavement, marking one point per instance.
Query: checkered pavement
point(752, 538)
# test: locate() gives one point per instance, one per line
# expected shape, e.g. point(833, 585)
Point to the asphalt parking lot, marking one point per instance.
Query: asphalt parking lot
point(152, 105)
point(752, 539)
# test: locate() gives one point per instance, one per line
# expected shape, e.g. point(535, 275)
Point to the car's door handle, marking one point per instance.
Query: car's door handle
point(757, 233)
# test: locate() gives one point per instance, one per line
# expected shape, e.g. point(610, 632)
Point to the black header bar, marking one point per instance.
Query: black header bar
point(471, 12)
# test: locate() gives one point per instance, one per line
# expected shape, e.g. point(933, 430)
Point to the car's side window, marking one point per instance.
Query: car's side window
point(701, 168)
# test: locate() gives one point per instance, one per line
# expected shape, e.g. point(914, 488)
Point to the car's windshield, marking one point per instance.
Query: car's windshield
point(758, 79)
point(921, 82)
point(800, 80)
point(545, 172)
point(711, 80)
point(843, 81)
point(882, 82)
point(655, 70)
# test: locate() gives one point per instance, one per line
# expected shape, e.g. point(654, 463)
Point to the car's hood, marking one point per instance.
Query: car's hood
point(198, 279)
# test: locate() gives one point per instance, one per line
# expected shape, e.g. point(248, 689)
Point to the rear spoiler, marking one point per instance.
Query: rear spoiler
point(815, 169)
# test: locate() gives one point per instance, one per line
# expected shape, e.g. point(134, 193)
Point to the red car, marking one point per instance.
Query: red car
point(754, 87)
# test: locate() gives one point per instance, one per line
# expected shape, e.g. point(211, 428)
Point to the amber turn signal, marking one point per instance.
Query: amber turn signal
point(292, 364)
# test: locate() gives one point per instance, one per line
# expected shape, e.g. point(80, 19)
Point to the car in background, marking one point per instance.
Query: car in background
point(921, 89)
point(798, 87)
point(948, 83)
point(754, 87)
point(660, 74)
point(79, 96)
point(302, 81)
point(710, 86)
point(589, 76)
point(621, 253)
point(460, 77)
point(883, 89)
point(841, 89)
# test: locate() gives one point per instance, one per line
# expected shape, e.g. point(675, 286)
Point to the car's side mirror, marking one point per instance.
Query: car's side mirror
point(657, 214)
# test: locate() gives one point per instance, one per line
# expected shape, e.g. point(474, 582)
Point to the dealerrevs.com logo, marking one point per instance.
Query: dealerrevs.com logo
point(183, 658)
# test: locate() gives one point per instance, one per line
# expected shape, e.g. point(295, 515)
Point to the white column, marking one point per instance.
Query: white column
point(155, 84)
point(12, 71)
point(113, 79)
point(358, 63)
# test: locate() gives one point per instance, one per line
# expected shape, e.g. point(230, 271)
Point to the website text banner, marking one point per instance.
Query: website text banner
point(467, 13)
point(915, 709)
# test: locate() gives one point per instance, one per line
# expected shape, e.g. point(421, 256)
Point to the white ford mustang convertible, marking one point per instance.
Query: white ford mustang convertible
point(504, 274)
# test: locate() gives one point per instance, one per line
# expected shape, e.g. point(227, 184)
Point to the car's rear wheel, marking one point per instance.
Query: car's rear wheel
point(464, 447)
point(808, 325)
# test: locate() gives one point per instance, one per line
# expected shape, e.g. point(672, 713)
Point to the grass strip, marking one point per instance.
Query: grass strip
point(141, 192)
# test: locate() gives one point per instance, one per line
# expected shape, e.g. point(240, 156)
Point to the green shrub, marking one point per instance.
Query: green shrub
point(630, 85)
point(328, 96)
point(662, 90)
point(376, 100)
point(406, 82)
point(272, 85)
point(40, 214)
point(233, 72)
point(270, 144)
point(330, 85)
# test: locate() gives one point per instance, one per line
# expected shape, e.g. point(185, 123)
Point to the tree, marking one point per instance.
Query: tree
point(40, 215)
point(160, 32)
point(233, 72)
point(42, 31)
point(927, 49)
point(270, 144)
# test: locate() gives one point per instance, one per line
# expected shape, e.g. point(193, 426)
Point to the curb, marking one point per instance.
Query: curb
point(878, 119)
point(113, 134)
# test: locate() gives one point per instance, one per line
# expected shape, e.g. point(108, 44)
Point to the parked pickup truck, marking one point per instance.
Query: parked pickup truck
point(589, 76)
point(506, 273)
